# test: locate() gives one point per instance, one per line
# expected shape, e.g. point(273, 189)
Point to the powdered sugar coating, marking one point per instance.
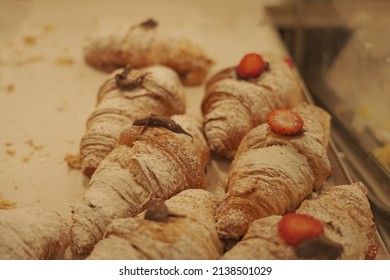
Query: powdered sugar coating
point(161, 93)
point(192, 235)
point(263, 182)
point(141, 46)
point(155, 164)
point(345, 212)
point(272, 173)
point(312, 143)
point(32, 233)
point(232, 106)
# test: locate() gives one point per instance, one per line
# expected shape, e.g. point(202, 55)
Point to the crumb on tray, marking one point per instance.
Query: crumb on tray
point(48, 28)
point(73, 160)
point(6, 204)
point(29, 40)
point(9, 88)
point(36, 147)
point(11, 152)
point(65, 60)
point(26, 159)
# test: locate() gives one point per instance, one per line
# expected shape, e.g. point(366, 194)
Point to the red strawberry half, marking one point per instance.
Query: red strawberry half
point(295, 228)
point(285, 122)
point(372, 252)
point(289, 61)
point(251, 65)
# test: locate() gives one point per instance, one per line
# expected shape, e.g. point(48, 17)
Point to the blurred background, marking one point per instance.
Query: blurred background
point(342, 51)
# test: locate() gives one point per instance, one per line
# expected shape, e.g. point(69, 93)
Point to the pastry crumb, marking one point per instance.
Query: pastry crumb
point(26, 159)
point(36, 147)
point(6, 203)
point(62, 107)
point(11, 152)
point(73, 160)
point(65, 60)
point(48, 28)
point(10, 88)
point(29, 40)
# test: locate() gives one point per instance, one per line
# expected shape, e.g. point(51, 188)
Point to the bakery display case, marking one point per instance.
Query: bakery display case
point(342, 53)
point(53, 94)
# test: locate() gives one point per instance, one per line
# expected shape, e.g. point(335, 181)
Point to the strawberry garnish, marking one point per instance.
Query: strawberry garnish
point(372, 252)
point(295, 228)
point(289, 61)
point(251, 65)
point(285, 122)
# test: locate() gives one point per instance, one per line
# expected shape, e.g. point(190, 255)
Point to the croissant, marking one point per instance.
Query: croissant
point(349, 230)
point(147, 44)
point(183, 229)
point(156, 158)
point(32, 233)
point(127, 95)
point(272, 173)
point(233, 105)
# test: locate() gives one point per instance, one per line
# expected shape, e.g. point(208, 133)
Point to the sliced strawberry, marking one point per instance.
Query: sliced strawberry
point(289, 61)
point(372, 252)
point(295, 228)
point(285, 122)
point(251, 65)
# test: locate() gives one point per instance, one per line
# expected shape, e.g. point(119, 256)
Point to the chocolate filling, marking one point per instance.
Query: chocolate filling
point(157, 211)
point(319, 248)
point(125, 83)
point(159, 121)
point(150, 23)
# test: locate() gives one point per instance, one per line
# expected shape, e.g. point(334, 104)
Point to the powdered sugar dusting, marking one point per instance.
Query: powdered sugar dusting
point(32, 233)
point(191, 235)
point(312, 143)
point(275, 88)
point(141, 46)
point(262, 182)
point(161, 93)
point(158, 163)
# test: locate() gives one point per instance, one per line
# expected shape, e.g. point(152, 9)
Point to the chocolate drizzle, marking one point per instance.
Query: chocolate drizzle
point(149, 24)
point(266, 66)
point(159, 121)
point(125, 83)
point(319, 248)
point(159, 212)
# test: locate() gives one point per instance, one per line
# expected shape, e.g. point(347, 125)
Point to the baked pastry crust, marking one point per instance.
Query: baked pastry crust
point(128, 94)
point(232, 106)
point(189, 233)
point(272, 174)
point(151, 163)
point(32, 233)
point(148, 44)
point(345, 213)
